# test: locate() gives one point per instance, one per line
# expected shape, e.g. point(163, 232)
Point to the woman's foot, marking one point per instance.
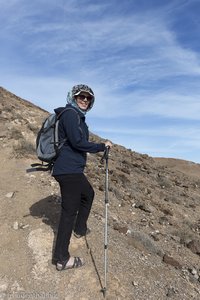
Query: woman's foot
point(71, 263)
point(78, 236)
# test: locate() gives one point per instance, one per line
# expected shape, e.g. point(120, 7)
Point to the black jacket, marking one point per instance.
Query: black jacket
point(72, 156)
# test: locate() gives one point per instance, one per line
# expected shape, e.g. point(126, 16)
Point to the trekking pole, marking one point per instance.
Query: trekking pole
point(105, 156)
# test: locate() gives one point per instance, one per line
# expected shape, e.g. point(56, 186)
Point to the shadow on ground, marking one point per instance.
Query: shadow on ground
point(48, 209)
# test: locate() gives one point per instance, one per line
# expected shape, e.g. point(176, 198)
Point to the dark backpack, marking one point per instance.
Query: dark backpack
point(47, 142)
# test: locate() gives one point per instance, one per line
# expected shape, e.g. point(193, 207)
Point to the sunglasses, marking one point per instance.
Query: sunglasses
point(85, 98)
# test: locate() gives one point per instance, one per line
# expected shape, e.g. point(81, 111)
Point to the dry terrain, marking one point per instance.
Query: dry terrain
point(154, 222)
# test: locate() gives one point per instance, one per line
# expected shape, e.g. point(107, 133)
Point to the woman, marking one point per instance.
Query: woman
point(76, 192)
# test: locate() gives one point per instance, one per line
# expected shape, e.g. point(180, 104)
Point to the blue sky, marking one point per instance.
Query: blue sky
point(141, 58)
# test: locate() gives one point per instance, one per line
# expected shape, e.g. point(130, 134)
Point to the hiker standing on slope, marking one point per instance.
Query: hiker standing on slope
point(76, 192)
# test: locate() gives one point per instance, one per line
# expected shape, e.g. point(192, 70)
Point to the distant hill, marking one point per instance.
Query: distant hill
point(154, 223)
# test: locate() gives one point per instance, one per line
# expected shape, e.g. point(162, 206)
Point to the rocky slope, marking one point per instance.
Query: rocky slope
point(154, 223)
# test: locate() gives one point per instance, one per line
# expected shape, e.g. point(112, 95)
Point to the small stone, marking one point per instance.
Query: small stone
point(145, 207)
point(10, 195)
point(24, 226)
point(194, 246)
point(120, 228)
point(171, 261)
point(155, 237)
point(134, 283)
point(144, 220)
point(128, 232)
point(194, 271)
point(171, 292)
point(16, 225)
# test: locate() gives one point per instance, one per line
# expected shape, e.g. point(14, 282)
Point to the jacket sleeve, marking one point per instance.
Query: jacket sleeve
point(76, 137)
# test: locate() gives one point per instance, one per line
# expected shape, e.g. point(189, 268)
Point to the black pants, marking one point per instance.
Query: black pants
point(77, 196)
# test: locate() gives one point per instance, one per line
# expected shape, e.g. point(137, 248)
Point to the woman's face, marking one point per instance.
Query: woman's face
point(83, 100)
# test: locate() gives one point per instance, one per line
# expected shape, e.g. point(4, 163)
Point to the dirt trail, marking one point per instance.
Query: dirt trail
point(153, 222)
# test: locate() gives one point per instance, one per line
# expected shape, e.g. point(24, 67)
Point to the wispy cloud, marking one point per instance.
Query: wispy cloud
point(164, 131)
point(172, 104)
point(138, 59)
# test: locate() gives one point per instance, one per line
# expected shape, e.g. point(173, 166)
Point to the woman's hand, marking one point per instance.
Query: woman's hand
point(108, 144)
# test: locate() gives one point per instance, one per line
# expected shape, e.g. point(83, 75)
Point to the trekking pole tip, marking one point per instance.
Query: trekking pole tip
point(104, 292)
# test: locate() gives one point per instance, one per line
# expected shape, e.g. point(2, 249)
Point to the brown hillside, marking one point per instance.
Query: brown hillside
point(154, 223)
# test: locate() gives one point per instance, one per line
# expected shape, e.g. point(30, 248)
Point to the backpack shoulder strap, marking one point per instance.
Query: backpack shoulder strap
point(68, 108)
point(57, 123)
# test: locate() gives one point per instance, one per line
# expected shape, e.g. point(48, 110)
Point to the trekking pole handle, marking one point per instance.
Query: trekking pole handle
point(105, 154)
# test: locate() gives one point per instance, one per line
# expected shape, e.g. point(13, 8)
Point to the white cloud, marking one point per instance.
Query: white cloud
point(170, 105)
point(165, 104)
point(133, 59)
point(180, 131)
point(135, 49)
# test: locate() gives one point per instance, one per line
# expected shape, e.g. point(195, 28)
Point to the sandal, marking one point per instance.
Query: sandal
point(78, 236)
point(78, 262)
